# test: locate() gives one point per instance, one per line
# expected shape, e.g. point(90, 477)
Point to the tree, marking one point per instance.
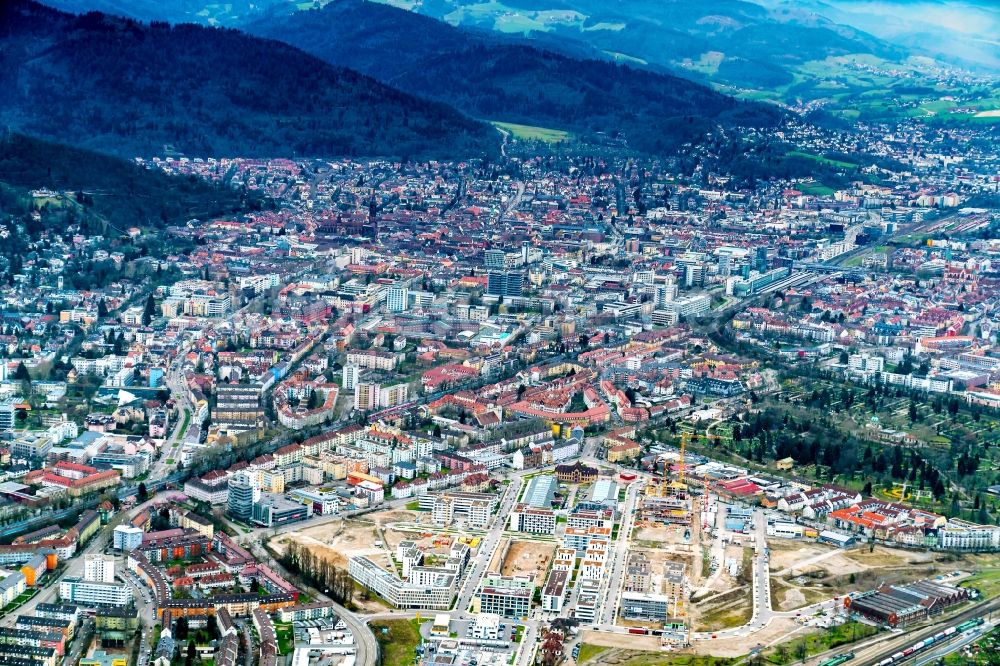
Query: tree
point(181, 629)
point(149, 311)
point(142, 492)
point(844, 358)
point(22, 374)
point(102, 309)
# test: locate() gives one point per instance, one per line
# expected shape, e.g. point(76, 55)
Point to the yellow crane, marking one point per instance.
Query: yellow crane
point(685, 436)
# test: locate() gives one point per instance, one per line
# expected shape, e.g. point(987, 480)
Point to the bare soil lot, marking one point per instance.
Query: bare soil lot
point(330, 539)
point(804, 573)
point(528, 558)
point(655, 535)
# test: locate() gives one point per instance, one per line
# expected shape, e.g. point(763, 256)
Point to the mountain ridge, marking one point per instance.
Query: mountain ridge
point(124, 87)
point(500, 80)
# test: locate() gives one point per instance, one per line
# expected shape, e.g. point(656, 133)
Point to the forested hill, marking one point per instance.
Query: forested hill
point(119, 86)
point(496, 79)
point(114, 190)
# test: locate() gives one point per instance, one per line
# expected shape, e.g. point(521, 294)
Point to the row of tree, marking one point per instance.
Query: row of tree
point(319, 572)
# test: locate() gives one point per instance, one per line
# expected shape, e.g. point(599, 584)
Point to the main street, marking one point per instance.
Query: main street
point(614, 577)
point(487, 548)
point(73, 568)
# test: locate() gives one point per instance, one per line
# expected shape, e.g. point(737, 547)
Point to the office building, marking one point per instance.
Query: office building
point(509, 596)
point(645, 606)
point(272, 510)
point(691, 306)
point(243, 492)
point(760, 259)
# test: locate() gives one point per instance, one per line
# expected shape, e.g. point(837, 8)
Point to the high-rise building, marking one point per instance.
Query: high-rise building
point(666, 291)
point(505, 284)
point(243, 492)
point(350, 375)
point(90, 593)
point(238, 407)
point(6, 414)
point(99, 567)
point(760, 259)
point(725, 264)
point(494, 258)
point(397, 298)
point(127, 537)
point(366, 395)
point(694, 275)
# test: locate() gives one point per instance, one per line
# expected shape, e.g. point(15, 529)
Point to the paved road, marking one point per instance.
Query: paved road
point(614, 573)
point(74, 569)
point(80, 642)
point(364, 638)
point(487, 547)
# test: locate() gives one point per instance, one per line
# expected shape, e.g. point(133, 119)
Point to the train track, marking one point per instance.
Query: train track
point(882, 648)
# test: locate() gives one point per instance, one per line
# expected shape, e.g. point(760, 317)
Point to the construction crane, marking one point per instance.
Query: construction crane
point(685, 436)
point(680, 460)
point(677, 486)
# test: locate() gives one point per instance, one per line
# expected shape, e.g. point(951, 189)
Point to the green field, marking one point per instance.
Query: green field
point(822, 160)
point(816, 188)
point(531, 133)
point(987, 582)
point(589, 652)
point(792, 651)
point(286, 636)
point(185, 422)
point(397, 640)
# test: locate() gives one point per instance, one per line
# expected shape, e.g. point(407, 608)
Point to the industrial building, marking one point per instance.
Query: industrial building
point(899, 605)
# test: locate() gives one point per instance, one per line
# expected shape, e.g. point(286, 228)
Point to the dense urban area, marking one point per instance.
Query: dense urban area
point(563, 403)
